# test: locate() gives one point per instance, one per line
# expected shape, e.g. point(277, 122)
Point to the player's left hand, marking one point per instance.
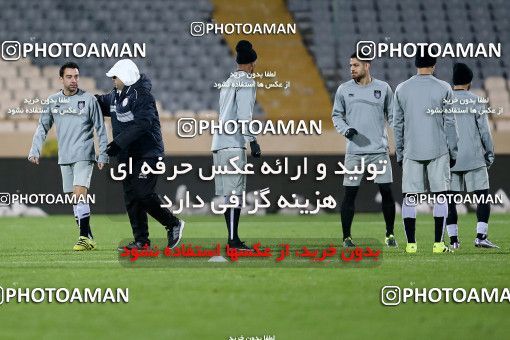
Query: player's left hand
point(489, 158)
point(100, 166)
point(112, 149)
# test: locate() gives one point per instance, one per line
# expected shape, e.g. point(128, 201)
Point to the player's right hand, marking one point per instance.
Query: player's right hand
point(255, 149)
point(350, 133)
point(489, 158)
point(34, 160)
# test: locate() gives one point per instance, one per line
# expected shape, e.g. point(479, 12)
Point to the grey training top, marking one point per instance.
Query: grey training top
point(420, 135)
point(75, 117)
point(475, 138)
point(365, 108)
point(237, 98)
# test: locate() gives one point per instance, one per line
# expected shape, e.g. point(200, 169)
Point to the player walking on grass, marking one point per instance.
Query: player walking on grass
point(426, 146)
point(361, 109)
point(76, 114)
point(137, 135)
point(236, 103)
point(475, 156)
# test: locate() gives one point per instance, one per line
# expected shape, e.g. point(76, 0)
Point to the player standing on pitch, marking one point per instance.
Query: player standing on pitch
point(426, 145)
point(137, 135)
point(475, 156)
point(75, 113)
point(361, 109)
point(236, 104)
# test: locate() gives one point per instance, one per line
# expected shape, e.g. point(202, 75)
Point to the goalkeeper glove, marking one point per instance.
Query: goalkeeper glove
point(350, 133)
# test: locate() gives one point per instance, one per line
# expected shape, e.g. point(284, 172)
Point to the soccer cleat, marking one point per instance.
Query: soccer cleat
point(135, 244)
point(239, 245)
point(440, 247)
point(455, 245)
point(390, 241)
point(84, 243)
point(479, 243)
point(348, 243)
point(411, 248)
point(174, 234)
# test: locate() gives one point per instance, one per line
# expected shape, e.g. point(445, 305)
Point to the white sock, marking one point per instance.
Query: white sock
point(82, 210)
point(440, 210)
point(482, 228)
point(76, 216)
point(408, 210)
point(453, 230)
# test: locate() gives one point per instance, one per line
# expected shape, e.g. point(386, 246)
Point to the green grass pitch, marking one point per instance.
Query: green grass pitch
point(215, 303)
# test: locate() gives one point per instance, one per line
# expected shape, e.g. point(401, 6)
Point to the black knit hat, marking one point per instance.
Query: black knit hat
point(425, 60)
point(462, 74)
point(245, 52)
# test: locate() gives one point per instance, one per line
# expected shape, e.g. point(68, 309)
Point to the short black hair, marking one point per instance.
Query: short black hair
point(67, 65)
point(364, 56)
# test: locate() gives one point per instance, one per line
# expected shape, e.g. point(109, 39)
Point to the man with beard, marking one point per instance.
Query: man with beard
point(361, 109)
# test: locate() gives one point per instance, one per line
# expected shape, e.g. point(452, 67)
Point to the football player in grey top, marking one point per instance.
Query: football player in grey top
point(426, 145)
point(361, 110)
point(475, 156)
point(76, 114)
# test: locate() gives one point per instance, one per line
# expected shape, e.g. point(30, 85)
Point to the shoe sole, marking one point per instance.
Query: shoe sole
point(84, 249)
point(242, 249)
point(180, 234)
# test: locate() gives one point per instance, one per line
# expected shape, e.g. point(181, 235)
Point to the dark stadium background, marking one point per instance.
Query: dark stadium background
point(184, 68)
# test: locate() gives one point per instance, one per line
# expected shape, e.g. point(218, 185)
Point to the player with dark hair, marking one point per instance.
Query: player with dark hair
point(75, 113)
point(361, 110)
point(426, 146)
point(475, 156)
point(236, 103)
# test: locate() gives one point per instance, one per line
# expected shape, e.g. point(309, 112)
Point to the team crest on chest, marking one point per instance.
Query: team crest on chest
point(377, 94)
point(125, 102)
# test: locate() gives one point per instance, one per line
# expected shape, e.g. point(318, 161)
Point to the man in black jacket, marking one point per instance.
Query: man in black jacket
point(137, 135)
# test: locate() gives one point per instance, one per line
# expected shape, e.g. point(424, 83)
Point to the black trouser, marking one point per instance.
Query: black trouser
point(141, 199)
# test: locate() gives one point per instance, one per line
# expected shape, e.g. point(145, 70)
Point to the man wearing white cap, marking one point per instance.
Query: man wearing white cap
point(137, 135)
